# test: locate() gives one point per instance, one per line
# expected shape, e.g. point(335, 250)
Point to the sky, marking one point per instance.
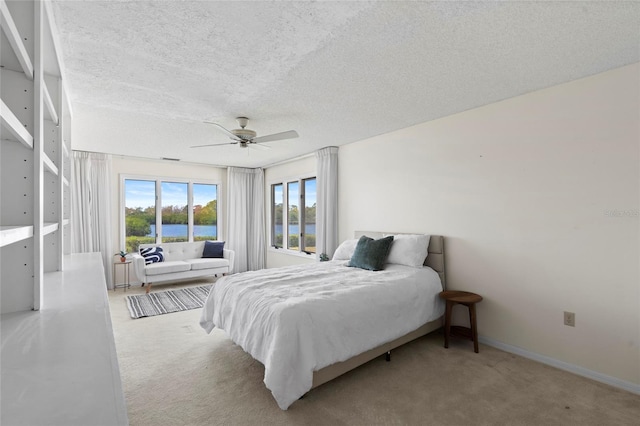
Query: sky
point(141, 193)
point(310, 193)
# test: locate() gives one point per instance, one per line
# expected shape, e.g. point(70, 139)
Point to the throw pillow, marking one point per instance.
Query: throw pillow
point(409, 249)
point(213, 249)
point(345, 250)
point(152, 255)
point(371, 254)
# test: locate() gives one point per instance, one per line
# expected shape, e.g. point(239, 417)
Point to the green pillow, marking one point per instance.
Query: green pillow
point(371, 254)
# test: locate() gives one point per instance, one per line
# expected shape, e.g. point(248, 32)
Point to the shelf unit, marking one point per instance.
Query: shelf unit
point(35, 141)
point(59, 365)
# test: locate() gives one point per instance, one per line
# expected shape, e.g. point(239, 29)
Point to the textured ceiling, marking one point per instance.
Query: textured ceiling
point(336, 72)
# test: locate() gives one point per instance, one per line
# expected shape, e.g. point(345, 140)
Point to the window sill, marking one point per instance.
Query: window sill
point(292, 253)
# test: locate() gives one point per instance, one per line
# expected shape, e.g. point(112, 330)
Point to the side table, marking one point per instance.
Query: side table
point(126, 284)
point(468, 299)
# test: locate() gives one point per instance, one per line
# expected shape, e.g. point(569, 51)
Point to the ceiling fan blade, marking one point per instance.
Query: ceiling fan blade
point(214, 144)
point(276, 137)
point(259, 147)
point(225, 131)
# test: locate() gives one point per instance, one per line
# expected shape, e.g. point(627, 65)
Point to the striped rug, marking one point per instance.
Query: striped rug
point(164, 302)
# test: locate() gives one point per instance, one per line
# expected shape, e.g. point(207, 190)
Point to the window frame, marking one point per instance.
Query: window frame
point(300, 179)
point(158, 186)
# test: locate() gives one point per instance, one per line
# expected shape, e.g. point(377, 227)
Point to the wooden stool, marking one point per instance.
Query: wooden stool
point(468, 299)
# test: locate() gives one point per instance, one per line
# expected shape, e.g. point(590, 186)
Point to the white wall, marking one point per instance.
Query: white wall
point(303, 167)
point(538, 199)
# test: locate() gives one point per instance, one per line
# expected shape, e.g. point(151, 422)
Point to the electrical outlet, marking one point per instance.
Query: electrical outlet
point(570, 319)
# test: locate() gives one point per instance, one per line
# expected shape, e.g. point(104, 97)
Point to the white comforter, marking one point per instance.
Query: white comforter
point(299, 319)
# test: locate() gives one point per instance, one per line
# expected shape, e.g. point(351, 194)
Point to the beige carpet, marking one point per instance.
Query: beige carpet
point(175, 374)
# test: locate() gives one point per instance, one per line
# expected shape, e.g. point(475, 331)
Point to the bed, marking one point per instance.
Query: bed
point(308, 324)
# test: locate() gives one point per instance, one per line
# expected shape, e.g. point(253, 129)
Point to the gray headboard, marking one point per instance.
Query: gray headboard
point(435, 259)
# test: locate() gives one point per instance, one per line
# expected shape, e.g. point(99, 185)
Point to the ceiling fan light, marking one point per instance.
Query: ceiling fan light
point(242, 121)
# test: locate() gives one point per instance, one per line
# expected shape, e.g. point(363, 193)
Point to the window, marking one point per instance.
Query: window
point(277, 201)
point(175, 216)
point(299, 197)
point(309, 214)
point(293, 222)
point(205, 212)
point(139, 213)
point(188, 211)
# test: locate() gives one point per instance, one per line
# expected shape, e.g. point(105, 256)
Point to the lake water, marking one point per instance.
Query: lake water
point(182, 231)
point(310, 229)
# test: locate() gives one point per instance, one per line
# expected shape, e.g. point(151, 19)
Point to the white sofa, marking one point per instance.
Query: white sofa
point(181, 261)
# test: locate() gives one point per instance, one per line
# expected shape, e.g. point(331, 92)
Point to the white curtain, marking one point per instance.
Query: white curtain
point(327, 201)
point(245, 212)
point(91, 207)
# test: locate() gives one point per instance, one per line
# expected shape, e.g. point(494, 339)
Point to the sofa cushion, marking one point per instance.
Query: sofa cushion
point(207, 263)
point(167, 267)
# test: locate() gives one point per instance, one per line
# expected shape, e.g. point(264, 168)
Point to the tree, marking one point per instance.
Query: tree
point(137, 226)
point(174, 215)
point(293, 215)
point(148, 214)
point(310, 214)
point(207, 215)
point(278, 213)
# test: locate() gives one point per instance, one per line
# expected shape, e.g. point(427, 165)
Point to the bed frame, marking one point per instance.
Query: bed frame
point(435, 260)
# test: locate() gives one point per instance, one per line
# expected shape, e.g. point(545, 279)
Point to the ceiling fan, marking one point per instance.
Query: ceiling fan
point(246, 137)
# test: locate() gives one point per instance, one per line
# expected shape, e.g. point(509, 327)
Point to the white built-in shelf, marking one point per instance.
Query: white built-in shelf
point(49, 227)
point(33, 105)
point(50, 108)
point(59, 365)
point(14, 126)
point(15, 40)
point(13, 233)
point(53, 62)
point(49, 166)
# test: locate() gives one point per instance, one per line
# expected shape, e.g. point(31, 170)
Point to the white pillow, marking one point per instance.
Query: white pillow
point(409, 250)
point(345, 250)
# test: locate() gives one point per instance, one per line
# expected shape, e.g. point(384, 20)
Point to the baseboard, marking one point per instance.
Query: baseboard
point(575, 369)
